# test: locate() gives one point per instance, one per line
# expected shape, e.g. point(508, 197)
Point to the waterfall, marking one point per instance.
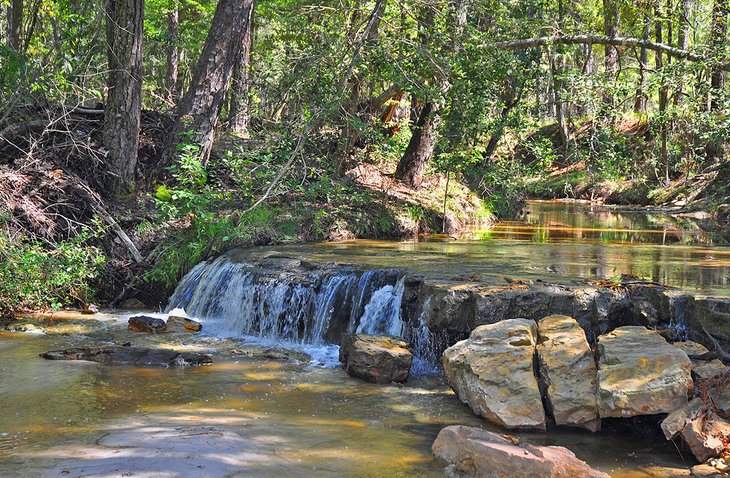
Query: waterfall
point(382, 314)
point(422, 342)
point(678, 306)
point(289, 301)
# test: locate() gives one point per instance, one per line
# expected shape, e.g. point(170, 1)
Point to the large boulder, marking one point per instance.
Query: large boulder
point(705, 433)
point(144, 323)
point(140, 356)
point(568, 371)
point(639, 373)
point(492, 371)
point(473, 452)
point(376, 358)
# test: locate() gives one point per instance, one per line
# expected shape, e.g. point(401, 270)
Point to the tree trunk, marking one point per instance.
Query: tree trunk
point(610, 27)
point(685, 29)
point(124, 33)
point(560, 106)
point(412, 165)
point(718, 36)
point(199, 109)
point(640, 101)
point(173, 53)
point(239, 117)
point(15, 24)
point(663, 98)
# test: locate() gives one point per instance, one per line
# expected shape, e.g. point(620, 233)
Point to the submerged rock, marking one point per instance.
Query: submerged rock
point(639, 373)
point(376, 358)
point(22, 327)
point(143, 323)
point(568, 370)
point(115, 355)
point(271, 353)
point(492, 371)
point(473, 452)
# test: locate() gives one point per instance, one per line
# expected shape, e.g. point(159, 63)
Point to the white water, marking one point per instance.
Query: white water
point(234, 300)
point(382, 314)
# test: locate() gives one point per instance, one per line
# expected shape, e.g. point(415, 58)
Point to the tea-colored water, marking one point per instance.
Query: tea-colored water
point(314, 421)
point(555, 242)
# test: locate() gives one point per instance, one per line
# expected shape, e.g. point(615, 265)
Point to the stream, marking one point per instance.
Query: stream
point(305, 416)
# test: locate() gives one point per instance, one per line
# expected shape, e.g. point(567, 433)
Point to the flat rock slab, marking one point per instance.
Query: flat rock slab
point(640, 373)
point(140, 356)
point(473, 452)
point(568, 370)
point(376, 358)
point(492, 371)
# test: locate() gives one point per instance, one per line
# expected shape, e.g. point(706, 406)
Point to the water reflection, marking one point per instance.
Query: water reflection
point(553, 242)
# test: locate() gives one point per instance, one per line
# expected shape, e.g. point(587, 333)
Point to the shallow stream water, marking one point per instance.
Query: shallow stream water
point(311, 419)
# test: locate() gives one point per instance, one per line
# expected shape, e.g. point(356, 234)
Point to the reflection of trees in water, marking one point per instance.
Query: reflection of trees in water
point(556, 220)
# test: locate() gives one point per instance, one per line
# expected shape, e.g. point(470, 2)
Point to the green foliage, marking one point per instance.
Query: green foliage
point(34, 275)
point(202, 213)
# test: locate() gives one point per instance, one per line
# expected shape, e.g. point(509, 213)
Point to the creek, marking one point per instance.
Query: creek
point(306, 417)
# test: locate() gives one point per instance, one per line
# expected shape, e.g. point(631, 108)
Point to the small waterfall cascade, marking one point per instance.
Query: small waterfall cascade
point(382, 314)
point(291, 301)
point(422, 341)
point(678, 310)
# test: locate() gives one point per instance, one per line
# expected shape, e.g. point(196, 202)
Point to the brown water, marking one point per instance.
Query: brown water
point(311, 420)
point(315, 421)
point(556, 242)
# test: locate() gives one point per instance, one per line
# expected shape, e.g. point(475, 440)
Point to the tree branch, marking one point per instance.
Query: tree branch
point(601, 40)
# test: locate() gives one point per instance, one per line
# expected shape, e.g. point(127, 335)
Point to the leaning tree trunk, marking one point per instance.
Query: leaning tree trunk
point(173, 53)
point(420, 148)
point(124, 32)
point(199, 109)
point(239, 117)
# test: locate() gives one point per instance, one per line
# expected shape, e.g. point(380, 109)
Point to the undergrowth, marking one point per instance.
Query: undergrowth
point(36, 275)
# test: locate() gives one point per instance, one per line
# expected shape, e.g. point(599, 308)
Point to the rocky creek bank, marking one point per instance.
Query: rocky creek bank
point(520, 375)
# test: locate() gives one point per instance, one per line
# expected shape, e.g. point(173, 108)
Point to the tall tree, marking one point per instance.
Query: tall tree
point(685, 29)
point(718, 37)
point(611, 21)
point(412, 164)
point(641, 97)
point(15, 24)
point(663, 93)
point(200, 107)
point(123, 109)
point(173, 53)
point(240, 111)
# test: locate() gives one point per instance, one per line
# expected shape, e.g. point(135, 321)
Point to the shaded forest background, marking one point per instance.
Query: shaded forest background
point(140, 137)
